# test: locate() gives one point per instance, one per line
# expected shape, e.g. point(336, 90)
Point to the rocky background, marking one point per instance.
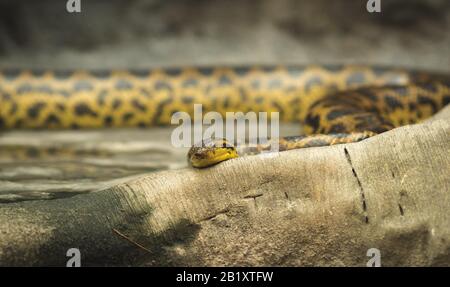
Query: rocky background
point(148, 33)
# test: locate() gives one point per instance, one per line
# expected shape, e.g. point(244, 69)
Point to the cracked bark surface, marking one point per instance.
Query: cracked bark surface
point(317, 206)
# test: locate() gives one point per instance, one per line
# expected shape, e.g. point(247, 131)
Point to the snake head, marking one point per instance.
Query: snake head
point(210, 152)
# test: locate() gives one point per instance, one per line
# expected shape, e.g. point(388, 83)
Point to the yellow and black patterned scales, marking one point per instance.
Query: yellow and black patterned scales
point(335, 104)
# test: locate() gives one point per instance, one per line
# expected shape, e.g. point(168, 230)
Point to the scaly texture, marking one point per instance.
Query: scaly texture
point(82, 99)
point(327, 100)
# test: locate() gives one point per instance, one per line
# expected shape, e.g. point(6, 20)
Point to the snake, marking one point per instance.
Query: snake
point(334, 104)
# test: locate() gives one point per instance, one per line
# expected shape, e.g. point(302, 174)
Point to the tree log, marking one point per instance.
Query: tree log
point(317, 206)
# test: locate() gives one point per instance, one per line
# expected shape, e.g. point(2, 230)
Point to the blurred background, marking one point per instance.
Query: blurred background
point(149, 33)
point(166, 33)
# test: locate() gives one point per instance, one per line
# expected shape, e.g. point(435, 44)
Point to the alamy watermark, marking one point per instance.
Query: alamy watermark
point(191, 131)
point(73, 6)
point(375, 257)
point(373, 6)
point(75, 257)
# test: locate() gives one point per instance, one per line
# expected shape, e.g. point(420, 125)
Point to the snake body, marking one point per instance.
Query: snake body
point(335, 103)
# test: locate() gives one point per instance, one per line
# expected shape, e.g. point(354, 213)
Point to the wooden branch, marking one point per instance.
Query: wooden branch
point(316, 206)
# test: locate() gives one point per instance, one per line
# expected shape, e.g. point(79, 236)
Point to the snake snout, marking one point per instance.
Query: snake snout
point(211, 152)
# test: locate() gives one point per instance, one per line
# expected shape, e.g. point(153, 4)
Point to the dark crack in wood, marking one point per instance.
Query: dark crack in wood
point(363, 196)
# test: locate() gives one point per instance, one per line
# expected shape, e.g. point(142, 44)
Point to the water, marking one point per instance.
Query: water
point(55, 164)
point(43, 165)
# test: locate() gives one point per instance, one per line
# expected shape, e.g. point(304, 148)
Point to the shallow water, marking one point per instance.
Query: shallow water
point(55, 164)
point(36, 165)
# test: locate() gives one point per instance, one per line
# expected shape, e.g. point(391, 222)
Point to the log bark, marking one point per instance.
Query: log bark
point(312, 207)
